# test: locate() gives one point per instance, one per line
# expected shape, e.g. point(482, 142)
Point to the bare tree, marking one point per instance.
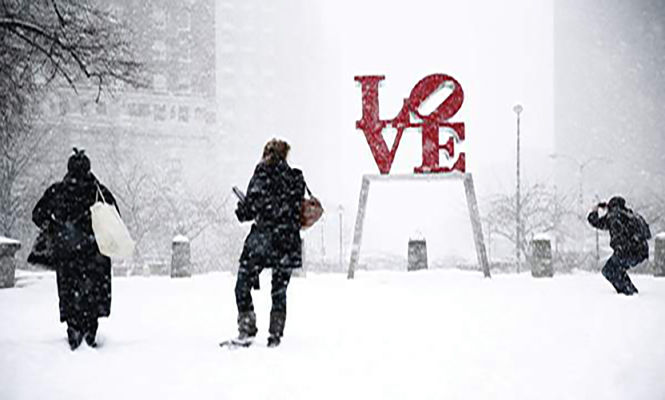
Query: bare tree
point(651, 204)
point(70, 39)
point(156, 207)
point(24, 169)
point(132, 184)
point(542, 211)
point(189, 212)
point(45, 41)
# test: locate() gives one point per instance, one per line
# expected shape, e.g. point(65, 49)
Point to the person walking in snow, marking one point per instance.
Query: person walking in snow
point(273, 201)
point(83, 273)
point(628, 238)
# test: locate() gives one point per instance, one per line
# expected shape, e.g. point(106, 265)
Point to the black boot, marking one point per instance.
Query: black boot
point(91, 333)
point(74, 336)
point(277, 321)
point(246, 326)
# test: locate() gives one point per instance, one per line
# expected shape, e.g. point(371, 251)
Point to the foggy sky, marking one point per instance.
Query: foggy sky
point(610, 76)
point(501, 54)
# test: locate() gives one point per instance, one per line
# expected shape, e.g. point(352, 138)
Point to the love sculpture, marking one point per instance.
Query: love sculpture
point(430, 126)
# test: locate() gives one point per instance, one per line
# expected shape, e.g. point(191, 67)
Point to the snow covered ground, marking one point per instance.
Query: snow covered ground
point(386, 335)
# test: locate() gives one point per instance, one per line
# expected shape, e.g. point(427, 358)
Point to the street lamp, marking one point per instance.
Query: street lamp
point(518, 211)
point(340, 210)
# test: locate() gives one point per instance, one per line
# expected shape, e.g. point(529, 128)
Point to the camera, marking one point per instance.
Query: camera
point(602, 204)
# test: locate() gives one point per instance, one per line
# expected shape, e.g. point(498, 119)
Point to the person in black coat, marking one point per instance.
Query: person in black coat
point(628, 250)
point(273, 201)
point(83, 273)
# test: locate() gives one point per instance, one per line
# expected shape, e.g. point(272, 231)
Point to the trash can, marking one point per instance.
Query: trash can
point(181, 265)
point(659, 255)
point(417, 258)
point(541, 253)
point(8, 248)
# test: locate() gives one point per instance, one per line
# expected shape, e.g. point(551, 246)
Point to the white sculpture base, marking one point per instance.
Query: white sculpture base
point(481, 252)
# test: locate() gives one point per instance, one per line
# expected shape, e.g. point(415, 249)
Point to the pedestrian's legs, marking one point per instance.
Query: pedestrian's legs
point(90, 332)
point(243, 290)
point(611, 272)
point(615, 272)
point(74, 332)
point(280, 282)
point(628, 287)
point(246, 317)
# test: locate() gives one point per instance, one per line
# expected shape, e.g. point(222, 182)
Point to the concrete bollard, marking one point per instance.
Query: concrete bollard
point(659, 255)
point(181, 265)
point(541, 253)
point(417, 255)
point(8, 248)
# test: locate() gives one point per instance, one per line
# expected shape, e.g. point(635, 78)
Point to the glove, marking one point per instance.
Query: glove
point(241, 212)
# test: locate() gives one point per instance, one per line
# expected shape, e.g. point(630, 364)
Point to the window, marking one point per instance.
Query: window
point(185, 53)
point(199, 114)
point(184, 21)
point(210, 118)
point(101, 108)
point(144, 110)
point(132, 110)
point(184, 84)
point(183, 114)
point(160, 112)
point(84, 107)
point(174, 170)
point(159, 50)
point(159, 16)
point(159, 82)
point(138, 110)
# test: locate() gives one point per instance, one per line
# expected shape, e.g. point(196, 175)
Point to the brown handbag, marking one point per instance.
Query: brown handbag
point(310, 210)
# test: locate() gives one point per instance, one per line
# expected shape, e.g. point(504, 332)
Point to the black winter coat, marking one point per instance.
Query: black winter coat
point(273, 200)
point(622, 236)
point(83, 273)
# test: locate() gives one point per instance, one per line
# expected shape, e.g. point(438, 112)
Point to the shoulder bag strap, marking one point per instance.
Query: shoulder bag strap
point(99, 192)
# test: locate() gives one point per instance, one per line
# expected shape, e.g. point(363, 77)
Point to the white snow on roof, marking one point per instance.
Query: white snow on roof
point(661, 236)
point(180, 239)
point(4, 240)
point(418, 235)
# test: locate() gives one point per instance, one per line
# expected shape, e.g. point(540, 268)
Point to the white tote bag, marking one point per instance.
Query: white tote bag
point(111, 234)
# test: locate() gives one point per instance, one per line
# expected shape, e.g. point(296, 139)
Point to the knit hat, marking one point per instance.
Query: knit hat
point(79, 163)
point(616, 201)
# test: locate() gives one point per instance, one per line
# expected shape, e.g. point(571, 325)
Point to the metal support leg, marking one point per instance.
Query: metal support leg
point(478, 239)
point(358, 230)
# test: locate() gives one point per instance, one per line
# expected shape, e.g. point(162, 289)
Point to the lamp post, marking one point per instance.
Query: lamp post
point(323, 241)
point(597, 240)
point(340, 210)
point(518, 211)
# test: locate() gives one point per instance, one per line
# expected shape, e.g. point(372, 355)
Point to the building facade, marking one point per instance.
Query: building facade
point(172, 123)
point(609, 59)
